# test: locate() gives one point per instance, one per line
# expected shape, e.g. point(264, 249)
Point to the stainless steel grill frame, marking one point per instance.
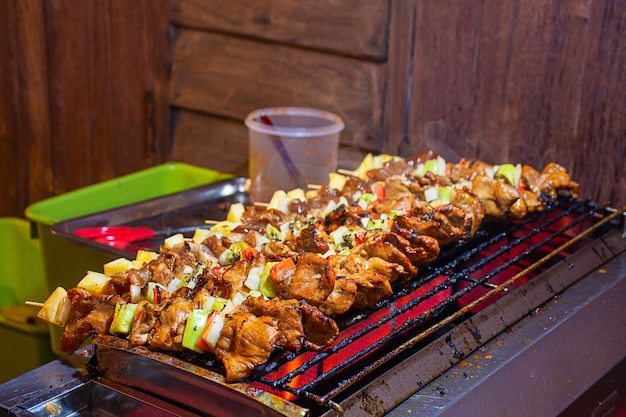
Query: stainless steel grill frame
point(406, 369)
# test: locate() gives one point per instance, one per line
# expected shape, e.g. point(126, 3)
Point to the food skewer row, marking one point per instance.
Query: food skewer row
point(272, 276)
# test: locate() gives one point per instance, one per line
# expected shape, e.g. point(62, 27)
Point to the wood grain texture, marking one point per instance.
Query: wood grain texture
point(346, 27)
point(24, 122)
point(599, 142)
point(229, 77)
point(398, 75)
point(210, 142)
point(84, 94)
point(516, 81)
point(103, 61)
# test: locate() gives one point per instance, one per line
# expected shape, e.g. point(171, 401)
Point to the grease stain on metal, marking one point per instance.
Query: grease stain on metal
point(455, 352)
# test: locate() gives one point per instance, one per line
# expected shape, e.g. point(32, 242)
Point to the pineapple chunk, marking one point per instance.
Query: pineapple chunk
point(366, 164)
point(174, 240)
point(56, 308)
point(93, 282)
point(336, 181)
point(296, 194)
point(235, 212)
point(117, 265)
point(200, 235)
point(145, 256)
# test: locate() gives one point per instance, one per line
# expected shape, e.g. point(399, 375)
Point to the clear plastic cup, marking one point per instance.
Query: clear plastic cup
point(291, 147)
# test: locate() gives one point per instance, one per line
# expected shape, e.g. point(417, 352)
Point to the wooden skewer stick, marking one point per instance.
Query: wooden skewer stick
point(33, 304)
point(208, 221)
point(257, 203)
point(346, 172)
point(314, 186)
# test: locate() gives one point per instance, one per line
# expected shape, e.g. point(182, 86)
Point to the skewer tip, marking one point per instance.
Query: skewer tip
point(346, 172)
point(33, 304)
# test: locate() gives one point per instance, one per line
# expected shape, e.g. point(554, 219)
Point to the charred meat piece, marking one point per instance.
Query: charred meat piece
point(255, 218)
point(282, 276)
point(202, 253)
point(167, 333)
point(313, 279)
point(425, 248)
point(89, 315)
point(472, 205)
point(371, 285)
point(287, 315)
point(316, 203)
point(420, 158)
point(467, 170)
point(118, 284)
point(251, 333)
point(310, 239)
point(246, 341)
point(341, 299)
point(394, 167)
point(420, 249)
point(551, 182)
point(371, 288)
point(430, 221)
point(219, 244)
point(235, 275)
point(343, 216)
point(396, 188)
point(387, 246)
point(500, 200)
point(140, 276)
point(401, 205)
point(388, 269)
point(145, 319)
point(215, 282)
point(354, 184)
point(275, 251)
point(320, 330)
point(532, 201)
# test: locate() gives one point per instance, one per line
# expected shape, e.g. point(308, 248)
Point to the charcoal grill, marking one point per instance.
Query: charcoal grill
point(418, 351)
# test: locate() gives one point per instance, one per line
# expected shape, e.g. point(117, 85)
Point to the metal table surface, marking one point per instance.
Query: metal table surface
point(543, 363)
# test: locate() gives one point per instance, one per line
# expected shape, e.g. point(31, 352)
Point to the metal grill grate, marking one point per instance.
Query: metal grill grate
point(467, 277)
point(388, 352)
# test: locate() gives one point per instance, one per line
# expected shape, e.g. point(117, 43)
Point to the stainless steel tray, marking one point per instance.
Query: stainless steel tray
point(179, 212)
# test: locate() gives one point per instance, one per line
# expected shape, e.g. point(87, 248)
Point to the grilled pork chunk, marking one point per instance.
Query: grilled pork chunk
point(313, 279)
point(90, 314)
point(287, 316)
point(259, 325)
point(341, 299)
point(246, 341)
point(145, 319)
point(167, 333)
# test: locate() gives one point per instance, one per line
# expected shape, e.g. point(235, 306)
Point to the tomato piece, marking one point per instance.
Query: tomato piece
point(280, 267)
point(249, 253)
point(359, 238)
point(379, 191)
point(219, 270)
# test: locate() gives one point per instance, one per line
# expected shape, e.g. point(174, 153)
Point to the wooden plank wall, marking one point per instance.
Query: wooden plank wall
point(83, 94)
point(87, 87)
point(230, 58)
point(526, 81)
point(511, 81)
